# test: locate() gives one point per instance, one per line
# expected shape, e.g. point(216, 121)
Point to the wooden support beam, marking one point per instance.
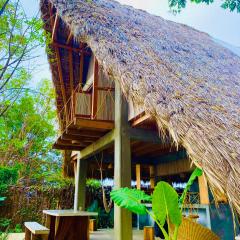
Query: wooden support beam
point(78, 138)
point(70, 37)
point(94, 90)
point(81, 66)
point(66, 147)
point(122, 165)
point(140, 120)
point(80, 185)
point(203, 190)
point(94, 124)
point(55, 26)
point(84, 133)
point(70, 56)
point(138, 176)
point(97, 146)
point(78, 50)
point(61, 76)
point(152, 176)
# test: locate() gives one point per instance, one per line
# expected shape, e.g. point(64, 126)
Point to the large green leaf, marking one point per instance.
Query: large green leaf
point(196, 173)
point(130, 199)
point(165, 204)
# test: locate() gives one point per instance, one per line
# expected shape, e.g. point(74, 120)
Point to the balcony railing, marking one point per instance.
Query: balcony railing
point(80, 105)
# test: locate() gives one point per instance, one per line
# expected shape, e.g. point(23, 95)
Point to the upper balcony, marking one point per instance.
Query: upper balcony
point(89, 112)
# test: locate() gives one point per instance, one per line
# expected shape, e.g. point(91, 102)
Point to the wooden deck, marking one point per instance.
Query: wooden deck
point(104, 234)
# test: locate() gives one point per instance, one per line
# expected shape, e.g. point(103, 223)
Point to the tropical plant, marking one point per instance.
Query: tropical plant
point(166, 205)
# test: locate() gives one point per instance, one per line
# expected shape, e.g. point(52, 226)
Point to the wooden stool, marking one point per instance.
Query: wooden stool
point(34, 231)
point(92, 225)
point(148, 233)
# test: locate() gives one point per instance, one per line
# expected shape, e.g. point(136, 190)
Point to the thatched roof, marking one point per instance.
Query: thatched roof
point(187, 82)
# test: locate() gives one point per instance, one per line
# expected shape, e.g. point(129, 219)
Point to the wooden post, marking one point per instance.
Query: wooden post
point(27, 234)
point(94, 89)
point(138, 175)
point(122, 166)
point(148, 233)
point(80, 185)
point(203, 190)
point(152, 176)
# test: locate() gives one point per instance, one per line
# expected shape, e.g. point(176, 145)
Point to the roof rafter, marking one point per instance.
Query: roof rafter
point(61, 76)
point(70, 37)
point(78, 50)
point(81, 64)
point(70, 56)
point(55, 26)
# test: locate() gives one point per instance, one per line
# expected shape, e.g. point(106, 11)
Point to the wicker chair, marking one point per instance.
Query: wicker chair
point(190, 230)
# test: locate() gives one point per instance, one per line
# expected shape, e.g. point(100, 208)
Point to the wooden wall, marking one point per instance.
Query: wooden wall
point(174, 167)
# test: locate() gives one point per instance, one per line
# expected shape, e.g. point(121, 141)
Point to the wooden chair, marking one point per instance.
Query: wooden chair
point(35, 231)
point(190, 230)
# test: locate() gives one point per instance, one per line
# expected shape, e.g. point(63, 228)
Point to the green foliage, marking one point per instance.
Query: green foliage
point(20, 38)
point(177, 5)
point(165, 204)
point(196, 173)
point(8, 176)
point(18, 228)
point(4, 227)
point(55, 180)
point(26, 136)
point(130, 199)
point(93, 183)
point(4, 222)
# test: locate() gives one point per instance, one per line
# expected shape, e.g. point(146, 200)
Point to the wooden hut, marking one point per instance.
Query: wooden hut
point(139, 88)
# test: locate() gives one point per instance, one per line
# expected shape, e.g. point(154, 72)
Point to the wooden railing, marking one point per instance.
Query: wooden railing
point(192, 198)
point(80, 105)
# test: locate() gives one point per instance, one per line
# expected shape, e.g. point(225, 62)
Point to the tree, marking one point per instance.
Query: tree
point(19, 39)
point(27, 131)
point(177, 5)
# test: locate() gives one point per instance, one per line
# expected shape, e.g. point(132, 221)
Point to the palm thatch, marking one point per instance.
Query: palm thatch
point(186, 81)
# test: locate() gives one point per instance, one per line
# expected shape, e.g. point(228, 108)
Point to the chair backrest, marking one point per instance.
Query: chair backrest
point(190, 230)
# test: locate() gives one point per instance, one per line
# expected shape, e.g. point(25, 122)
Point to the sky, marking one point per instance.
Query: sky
point(212, 19)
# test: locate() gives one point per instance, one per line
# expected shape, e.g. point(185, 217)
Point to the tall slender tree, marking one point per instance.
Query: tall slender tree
point(20, 36)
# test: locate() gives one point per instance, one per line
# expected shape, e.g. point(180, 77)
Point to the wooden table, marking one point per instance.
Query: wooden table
point(68, 224)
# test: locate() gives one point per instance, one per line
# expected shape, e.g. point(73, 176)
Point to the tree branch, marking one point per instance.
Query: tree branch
point(3, 7)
